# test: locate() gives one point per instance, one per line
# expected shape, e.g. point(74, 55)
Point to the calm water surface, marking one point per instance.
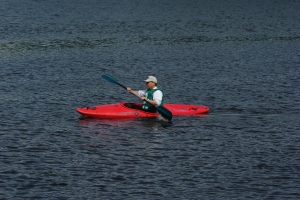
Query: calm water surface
point(239, 59)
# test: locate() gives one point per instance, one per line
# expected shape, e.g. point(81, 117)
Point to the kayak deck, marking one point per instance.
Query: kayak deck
point(134, 110)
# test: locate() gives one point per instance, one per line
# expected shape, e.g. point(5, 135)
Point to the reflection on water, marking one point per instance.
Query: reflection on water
point(107, 130)
point(141, 123)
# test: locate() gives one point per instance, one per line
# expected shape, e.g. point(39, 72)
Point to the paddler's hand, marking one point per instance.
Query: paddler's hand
point(154, 103)
point(132, 91)
point(143, 98)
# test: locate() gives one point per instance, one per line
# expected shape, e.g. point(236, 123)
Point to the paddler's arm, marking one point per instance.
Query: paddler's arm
point(153, 102)
point(132, 91)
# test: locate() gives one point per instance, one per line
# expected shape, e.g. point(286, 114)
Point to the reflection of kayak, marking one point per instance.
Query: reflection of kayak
point(133, 110)
point(105, 123)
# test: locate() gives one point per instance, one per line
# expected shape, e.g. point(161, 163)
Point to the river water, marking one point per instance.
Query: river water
point(239, 58)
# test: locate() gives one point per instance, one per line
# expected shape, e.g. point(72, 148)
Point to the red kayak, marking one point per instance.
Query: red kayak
point(133, 110)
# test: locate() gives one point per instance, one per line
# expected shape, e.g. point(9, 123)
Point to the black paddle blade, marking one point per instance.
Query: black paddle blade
point(164, 112)
point(109, 78)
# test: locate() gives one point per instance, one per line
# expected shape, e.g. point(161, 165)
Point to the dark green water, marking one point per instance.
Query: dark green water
point(239, 59)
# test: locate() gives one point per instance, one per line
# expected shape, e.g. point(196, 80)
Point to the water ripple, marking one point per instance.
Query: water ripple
point(61, 44)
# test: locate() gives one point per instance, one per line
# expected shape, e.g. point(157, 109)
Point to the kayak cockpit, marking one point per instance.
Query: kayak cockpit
point(137, 106)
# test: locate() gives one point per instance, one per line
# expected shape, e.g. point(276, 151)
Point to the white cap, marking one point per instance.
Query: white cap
point(151, 78)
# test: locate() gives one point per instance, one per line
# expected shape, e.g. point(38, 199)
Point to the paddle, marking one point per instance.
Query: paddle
point(162, 110)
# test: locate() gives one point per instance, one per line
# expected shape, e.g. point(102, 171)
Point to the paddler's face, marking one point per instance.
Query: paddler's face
point(150, 85)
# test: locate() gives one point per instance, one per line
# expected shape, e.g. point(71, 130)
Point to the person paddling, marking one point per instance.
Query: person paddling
point(153, 95)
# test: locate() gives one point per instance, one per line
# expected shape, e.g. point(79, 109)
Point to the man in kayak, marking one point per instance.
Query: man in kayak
point(153, 95)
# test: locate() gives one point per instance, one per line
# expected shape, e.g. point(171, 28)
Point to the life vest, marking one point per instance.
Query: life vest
point(149, 95)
